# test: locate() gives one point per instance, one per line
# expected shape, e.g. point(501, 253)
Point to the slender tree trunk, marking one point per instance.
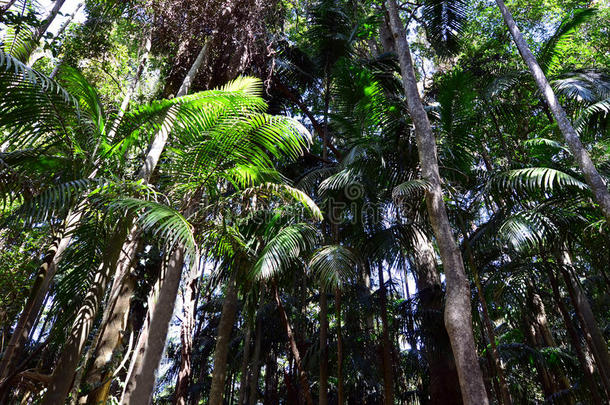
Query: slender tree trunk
point(340, 379)
point(186, 335)
point(271, 397)
point(458, 318)
point(135, 366)
point(567, 320)
point(243, 372)
point(256, 368)
point(38, 292)
point(66, 23)
point(533, 339)
point(115, 312)
point(221, 351)
point(294, 348)
point(48, 21)
point(444, 382)
point(542, 337)
point(132, 87)
point(157, 332)
point(388, 377)
point(594, 337)
point(65, 368)
point(100, 377)
point(109, 336)
point(5, 8)
point(592, 176)
point(323, 389)
point(505, 397)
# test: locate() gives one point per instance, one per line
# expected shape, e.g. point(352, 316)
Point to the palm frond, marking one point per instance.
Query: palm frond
point(333, 265)
point(283, 250)
point(444, 21)
point(34, 107)
point(542, 179)
point(551, 54)
point(164, 222)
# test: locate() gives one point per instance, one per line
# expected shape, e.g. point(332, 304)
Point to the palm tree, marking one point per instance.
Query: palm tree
point(457, 310)
point(592, 176)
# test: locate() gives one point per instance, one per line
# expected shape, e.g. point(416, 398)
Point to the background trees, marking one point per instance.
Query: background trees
point(386, 212)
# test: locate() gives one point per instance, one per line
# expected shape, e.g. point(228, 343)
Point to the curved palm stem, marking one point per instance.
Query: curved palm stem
point(592, 176)
point(458, 317)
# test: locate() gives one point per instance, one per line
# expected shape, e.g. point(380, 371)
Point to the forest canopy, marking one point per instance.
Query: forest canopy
point(304, 202)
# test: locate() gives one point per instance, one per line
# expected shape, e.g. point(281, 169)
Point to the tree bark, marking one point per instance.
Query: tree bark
point(38, 292)
point(243, 372)
point(157, 332)
point(189, 306)
point(65, 367)
point(118, 254)
point(132, 87)
point(340, 380)
point(221, 351)
point(444, 382)
point(323, 388)
point(100, 375)
point(593, 335)
point(294, 348)
point(135, 365)
point(118, 304)
point(48, 21)
point(253, 399)
point(458, 318)
point(504, 396)
point(571, 330)
point(388, 377)
point(271, 397)
point(592, 176)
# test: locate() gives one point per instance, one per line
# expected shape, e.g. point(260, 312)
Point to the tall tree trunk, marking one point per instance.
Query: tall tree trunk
point(63, 374)
point(533, 340)
point(120, 251)
point(48, 21)
point(157, 332)
point(135, 365)
point(444, 382)
point(543, 338)
point(271, 396)
point(594, 337)
point(323, 388)
point(189, 306)
point(221, 351)
point(388, 377)
point(592, 176)
point(132, 86)
point(114, 312)
point(243, 372)
point(294, 348)
point(573, 334)
point(108, 337)
point(504, 397)
point(256, 368)
point(340, 380)
point(38, 292)
point(66, 23)
point(6, 7)
point(458, 318)
point(98, 377)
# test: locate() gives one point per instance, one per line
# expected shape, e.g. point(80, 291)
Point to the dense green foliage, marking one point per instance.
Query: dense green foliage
point(232, 195)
